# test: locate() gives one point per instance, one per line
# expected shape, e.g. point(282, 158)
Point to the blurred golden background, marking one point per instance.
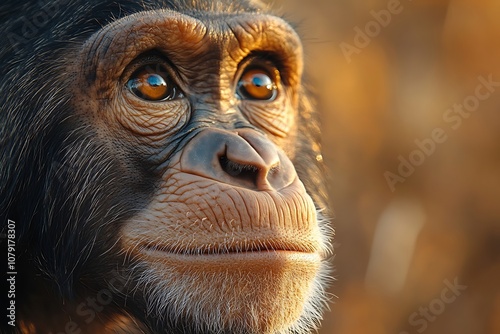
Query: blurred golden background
point(410, 99)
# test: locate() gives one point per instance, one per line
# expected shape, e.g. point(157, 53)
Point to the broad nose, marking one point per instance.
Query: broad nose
point(242, 157)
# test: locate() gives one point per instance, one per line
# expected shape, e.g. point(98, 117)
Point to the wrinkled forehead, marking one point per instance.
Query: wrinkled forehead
point(187, 40)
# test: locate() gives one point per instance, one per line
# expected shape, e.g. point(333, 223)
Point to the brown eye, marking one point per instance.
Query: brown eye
point(153, 84)
point(257, 84)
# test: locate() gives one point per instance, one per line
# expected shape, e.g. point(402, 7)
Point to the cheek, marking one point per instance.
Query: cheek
point(277, 118)
point(149, 121)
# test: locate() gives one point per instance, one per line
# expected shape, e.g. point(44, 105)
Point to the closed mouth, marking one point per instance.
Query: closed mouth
point(233, 248)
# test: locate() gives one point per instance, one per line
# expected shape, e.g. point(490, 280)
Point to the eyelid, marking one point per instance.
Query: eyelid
point(151, 59)
point(262, 61)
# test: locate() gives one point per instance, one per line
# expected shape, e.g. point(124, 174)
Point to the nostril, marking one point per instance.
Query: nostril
point(246, 160)
point(240, 171)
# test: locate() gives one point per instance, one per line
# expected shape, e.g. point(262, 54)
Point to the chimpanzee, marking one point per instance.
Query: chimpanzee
point(160, 170)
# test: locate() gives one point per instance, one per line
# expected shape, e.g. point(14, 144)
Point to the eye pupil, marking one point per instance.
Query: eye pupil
point(152, 85)
point(257, 84)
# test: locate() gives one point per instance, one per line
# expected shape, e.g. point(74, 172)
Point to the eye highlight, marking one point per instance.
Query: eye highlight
point(257, 84)
point(153, 83)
